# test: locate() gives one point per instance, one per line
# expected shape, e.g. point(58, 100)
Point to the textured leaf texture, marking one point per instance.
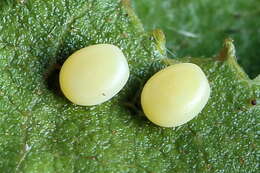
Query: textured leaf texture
point(41, 131)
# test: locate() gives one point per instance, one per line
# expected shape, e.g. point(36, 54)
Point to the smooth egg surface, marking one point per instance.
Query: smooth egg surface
point(94, 74)
point(175, 95)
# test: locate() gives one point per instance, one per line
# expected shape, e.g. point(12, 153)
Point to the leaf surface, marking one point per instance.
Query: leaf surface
point(41, 131)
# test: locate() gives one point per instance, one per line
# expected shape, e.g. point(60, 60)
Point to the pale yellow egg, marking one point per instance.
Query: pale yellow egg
point(94, 74)
point(175, 95)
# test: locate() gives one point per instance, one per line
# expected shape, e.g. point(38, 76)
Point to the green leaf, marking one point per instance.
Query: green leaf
point(195, 27)
point(41, 131)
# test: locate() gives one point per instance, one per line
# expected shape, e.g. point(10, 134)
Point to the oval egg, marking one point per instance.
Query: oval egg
point(175, 95)
point(94, 74)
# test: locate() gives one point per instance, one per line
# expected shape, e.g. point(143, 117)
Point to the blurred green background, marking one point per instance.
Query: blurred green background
point(198, 27)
